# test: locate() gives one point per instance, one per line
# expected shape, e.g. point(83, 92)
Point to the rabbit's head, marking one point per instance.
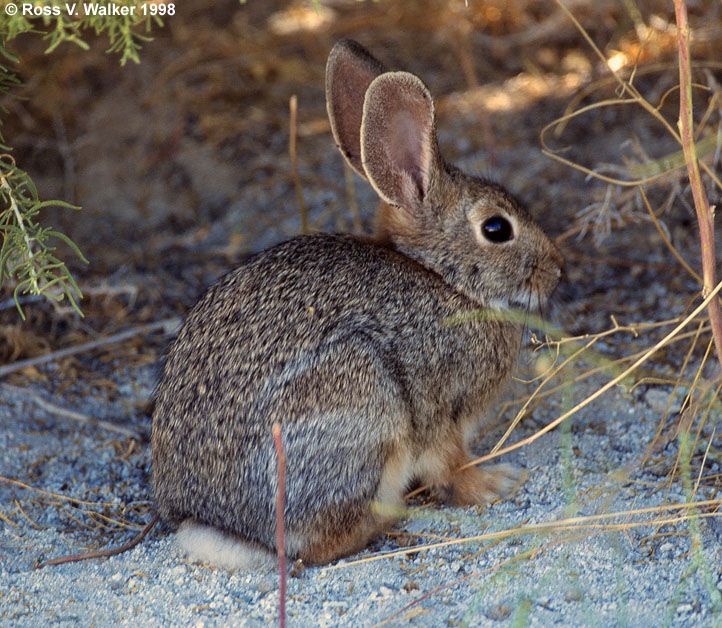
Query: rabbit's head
point(472, 232)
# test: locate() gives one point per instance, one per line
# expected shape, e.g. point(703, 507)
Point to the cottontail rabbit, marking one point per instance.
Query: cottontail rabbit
point(345, 342)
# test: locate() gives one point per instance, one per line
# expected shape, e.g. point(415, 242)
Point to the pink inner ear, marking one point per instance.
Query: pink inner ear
point(408, 147)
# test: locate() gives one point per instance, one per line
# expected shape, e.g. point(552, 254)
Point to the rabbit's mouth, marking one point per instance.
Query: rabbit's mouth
point(518, 303)
point(526, 300)
point(543, 279)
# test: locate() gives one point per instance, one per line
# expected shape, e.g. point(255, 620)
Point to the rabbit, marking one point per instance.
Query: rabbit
point(345, 342)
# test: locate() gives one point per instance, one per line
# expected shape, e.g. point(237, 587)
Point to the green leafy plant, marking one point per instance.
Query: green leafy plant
point(121, 20)
point(27, 256)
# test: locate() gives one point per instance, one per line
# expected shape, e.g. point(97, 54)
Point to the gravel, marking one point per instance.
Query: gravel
point(639, 576)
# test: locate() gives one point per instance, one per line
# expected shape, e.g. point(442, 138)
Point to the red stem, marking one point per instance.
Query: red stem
point(705, 213)
point(280, 538)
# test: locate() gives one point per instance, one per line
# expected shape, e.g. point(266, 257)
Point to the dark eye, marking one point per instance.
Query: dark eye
point(497, 229)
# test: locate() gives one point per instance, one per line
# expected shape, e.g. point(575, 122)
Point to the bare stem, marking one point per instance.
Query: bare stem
point(292, 132)
point(705, 213)
point(280, 538)
point(106, 553)
point(168, 326)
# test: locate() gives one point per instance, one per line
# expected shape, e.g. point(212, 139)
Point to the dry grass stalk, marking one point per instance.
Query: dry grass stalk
point(292, 133)
point(705, 213)
point(665, 239)
point(591, 523)
point(662, 439)
point(685, 137)
point(604, 365)
point(664, 170)
point(73, 500)
point(99, 522)
point(702, 397)
point(547, 428)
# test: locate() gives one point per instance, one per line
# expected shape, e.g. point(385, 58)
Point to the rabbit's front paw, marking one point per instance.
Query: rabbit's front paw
point(481, 485)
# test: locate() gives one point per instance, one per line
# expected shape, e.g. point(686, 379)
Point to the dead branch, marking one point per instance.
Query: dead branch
point(168, 326)
point(74, 415)
point(74, 558)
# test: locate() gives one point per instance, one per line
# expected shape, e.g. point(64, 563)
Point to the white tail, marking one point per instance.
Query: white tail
point(209, 545)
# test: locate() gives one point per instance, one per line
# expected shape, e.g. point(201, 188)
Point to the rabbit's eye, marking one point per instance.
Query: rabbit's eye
point(497, 229)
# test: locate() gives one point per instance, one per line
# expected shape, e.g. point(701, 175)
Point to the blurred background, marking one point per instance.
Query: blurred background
point(181, 163)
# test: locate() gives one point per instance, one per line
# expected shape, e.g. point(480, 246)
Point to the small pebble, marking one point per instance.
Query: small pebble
point(498, 612)
point(657, 399)
point(574, 594)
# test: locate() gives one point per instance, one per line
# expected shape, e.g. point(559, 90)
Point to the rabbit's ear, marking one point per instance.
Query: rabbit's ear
point(398, 139)
point(349, 72)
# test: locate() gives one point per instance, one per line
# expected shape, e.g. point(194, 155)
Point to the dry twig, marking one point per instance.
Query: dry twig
point(74, 558)
point(167, 326)
point(547, 428)
point(74, 415)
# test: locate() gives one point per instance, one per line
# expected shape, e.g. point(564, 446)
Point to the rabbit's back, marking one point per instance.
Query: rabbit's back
point(312, 303)
point(342, 342)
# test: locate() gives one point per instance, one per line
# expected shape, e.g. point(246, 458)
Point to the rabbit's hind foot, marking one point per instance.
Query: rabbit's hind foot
point(481, 485)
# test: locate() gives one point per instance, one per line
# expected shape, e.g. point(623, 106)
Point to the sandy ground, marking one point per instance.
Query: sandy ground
point(645, 576)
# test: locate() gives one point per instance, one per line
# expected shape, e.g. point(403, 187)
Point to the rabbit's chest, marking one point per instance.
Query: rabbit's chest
point(454, 372)
point(476, 354)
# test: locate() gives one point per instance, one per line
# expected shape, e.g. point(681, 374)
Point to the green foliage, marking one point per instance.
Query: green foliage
point(57, 25)
point(26, 255)
point(8, 82)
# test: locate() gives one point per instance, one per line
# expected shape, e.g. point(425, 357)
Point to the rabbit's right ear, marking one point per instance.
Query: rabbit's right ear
point(349, 72)
point(398, 141)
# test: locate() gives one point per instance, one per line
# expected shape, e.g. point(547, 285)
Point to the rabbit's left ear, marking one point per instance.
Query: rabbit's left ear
point(349, 71)
point(398, 140)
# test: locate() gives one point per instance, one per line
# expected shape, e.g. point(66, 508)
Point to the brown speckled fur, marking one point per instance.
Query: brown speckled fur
point(343, 341)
